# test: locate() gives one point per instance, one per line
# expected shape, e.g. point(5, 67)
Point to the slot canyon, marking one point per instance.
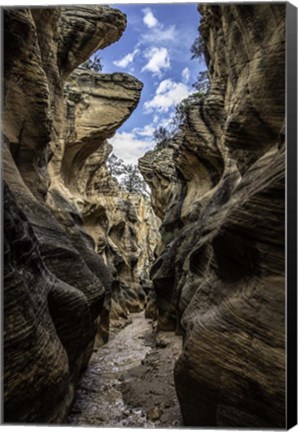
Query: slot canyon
point(164, 309)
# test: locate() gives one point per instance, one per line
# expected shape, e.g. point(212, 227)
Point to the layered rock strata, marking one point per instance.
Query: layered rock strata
point(125, 232)
point(220, 278)
point(57, 287)
point(122, 225)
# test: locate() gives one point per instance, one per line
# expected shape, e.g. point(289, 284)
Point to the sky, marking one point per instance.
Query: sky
point(155, 48)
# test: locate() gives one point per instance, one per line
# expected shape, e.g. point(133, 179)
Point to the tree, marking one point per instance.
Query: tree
point(128, 175)
point(162, 137)
point(183, 107)
point(202, 84)
point(115, 165)
point(93, 64)
point(133, 181)
point(198, 48)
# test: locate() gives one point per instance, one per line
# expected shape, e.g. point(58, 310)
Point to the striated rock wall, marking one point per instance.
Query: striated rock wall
point(123, 227)
point(125, 232)
point(220, 279)
point(57, 287)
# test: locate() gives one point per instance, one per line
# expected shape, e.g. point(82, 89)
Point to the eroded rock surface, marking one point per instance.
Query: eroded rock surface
point(57, 287)
point(123, 227)
point(125, 232)
point(220, 279)
point(77, 245)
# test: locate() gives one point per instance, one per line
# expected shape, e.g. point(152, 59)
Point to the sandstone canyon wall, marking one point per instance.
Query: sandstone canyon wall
point(219, 279)
point(78, 246)
point(58, 282)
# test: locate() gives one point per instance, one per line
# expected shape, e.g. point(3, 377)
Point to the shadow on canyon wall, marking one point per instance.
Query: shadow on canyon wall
point(78, 248)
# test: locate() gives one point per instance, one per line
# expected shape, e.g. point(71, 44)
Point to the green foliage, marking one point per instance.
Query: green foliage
point(128, 175)
point(162, 137)
point(198, 48)
point(115, 165)
point(133, 181)
point(202, 83)
point(93, 64)
point(183, 107)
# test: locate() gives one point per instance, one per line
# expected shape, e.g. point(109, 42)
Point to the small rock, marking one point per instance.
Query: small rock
point(161, 343)
point(138, 412)
point(154, 413)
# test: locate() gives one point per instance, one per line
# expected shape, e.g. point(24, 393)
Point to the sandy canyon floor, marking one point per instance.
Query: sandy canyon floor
point(129, 381)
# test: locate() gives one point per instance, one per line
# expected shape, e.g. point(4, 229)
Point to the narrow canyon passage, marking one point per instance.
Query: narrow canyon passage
point(144, 189)
point(129, 380)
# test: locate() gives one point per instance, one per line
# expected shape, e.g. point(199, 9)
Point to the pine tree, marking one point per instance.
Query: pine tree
point(128, 175)
point(93, 64)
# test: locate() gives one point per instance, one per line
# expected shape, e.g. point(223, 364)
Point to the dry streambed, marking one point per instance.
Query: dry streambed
point(129, 381)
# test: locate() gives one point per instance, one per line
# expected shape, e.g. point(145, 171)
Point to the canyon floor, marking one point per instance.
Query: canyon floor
point(129, 381)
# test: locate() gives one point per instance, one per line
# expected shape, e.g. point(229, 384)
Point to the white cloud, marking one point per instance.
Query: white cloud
point(185, 74)
point(160, 34)
point(126, 60)
point(128, 147)
point(167, 122)
point(164, 86)
point(168, 94)
point(146, 131)
point(158, 59)
point(149, 19)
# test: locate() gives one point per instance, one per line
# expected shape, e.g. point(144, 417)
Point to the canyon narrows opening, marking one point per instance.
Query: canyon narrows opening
point(144, 208)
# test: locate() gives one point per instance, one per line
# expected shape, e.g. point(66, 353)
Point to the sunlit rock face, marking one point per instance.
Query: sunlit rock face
point(42, 46)
point(125, 232)
point(55, 122)
point(89, 97)
point(122, 225)
point(220, 279)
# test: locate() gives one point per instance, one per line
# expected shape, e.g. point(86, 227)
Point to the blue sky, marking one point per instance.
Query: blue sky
point(155, 48)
